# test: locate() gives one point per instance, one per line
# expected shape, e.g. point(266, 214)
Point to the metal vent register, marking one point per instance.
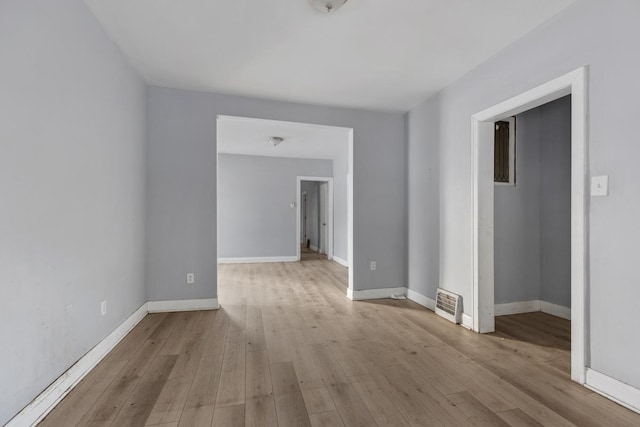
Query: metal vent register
point(448, 305)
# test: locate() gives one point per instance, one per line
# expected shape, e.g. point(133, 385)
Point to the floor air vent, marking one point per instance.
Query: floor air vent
point(448, 305)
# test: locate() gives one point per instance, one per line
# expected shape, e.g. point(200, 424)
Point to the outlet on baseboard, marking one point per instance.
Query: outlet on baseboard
point(373, 266)
point(191, 278)
point(103, 307)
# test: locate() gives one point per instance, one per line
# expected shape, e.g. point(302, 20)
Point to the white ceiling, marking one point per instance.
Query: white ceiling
point(372, 54)
point(240, 135)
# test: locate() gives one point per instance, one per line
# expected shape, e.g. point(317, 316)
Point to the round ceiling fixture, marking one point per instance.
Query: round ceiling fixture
point(275, 140)
point(327, 6)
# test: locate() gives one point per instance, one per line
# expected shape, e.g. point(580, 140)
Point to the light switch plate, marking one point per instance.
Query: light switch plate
point(600, 185)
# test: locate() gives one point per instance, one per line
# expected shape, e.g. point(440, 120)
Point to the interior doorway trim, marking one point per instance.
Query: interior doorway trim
point(329, 180)
point(574, 84)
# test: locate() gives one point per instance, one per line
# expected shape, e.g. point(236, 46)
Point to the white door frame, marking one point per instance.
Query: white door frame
point(329, 180)
point(574, 84)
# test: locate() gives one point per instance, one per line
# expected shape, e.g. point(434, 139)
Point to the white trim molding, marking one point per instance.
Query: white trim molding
point(182, 305)
point(421, 299)
point(506, 309)
point(366, 294)
point(257, 260)
point(618, 391)
point(519, 307)
point(35, 412)
point(555, 310)
point(341, 261)
point(482, 238)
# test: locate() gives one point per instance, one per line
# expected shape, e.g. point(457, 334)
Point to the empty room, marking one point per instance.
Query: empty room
point(319, 213)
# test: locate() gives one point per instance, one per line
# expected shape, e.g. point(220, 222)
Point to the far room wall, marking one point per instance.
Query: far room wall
point(533, 218)
point(255, 193)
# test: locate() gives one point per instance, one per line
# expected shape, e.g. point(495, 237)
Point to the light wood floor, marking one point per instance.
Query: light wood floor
point(307, 254)
point(288, 348)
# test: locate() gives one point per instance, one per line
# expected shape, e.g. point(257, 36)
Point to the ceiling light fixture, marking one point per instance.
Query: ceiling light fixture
point(275, 140)
point(327, 6)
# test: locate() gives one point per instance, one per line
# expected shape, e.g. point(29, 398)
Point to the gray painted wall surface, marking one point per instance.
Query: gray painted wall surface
point(255, 217)
point(181, 179)
point(312, 188)
point(72, 126)
point(517, 219)
point(555, 210)
point(533, 219)
point(602, 35)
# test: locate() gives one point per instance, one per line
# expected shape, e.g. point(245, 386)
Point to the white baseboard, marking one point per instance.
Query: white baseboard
point(516, 307)
point(374, 293)
point(257, 260)
point(421, 299)
point(33, 413)
point(532, 306)
point(555, 310)
point(182, 305)
point(467, 321)
point(341, 261)
point(313, 248)
point(622, 393)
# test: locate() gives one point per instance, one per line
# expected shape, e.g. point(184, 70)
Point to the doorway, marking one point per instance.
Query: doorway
point(483, 128)
point(314, 230)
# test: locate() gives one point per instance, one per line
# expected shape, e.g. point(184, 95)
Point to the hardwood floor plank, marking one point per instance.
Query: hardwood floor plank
point(258, 376)
point(231, 390)
point(171, 401)
point(261, 412)
point(318, 400)
point(229, 416)
point(131, 343)
point(352, 410)
point(111, 401)
point(290, 406)
point(326, 419)
point(517, 418)
point(477, 413)
point(137, 408)
point(381, 408)
point(256, 340)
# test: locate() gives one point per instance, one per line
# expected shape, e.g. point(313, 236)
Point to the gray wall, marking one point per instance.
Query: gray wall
point(255, 218)
point(555, 209)
point(517, 219)
point(604, 36)
point(181, 197)
point(533, 219)
point(72, 126)
point(312, 188)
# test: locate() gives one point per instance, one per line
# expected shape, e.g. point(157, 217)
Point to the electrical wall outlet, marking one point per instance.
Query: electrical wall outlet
point(600, 185)
point(103, 307)
point(373, 266)
point(191, 278)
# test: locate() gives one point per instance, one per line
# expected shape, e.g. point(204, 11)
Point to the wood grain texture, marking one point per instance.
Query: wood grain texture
point(287, 348)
